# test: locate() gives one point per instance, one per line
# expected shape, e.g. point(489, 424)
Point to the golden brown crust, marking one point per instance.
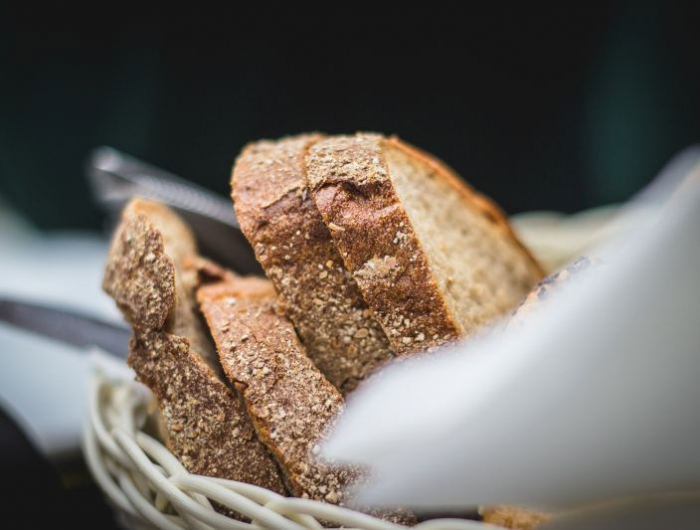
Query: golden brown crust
point(139, 276)
point(350, 184)
point(294, 246)
point(487, 206)
point(207, 425)
point(513, 517)
point(147, 273)
point(289, 401)
point(208, 428)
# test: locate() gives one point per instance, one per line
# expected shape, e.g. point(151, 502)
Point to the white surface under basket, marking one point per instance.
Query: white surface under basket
point(149, 488)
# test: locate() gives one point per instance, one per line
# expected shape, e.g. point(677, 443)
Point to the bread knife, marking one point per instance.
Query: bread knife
point(66, 326)
point(115, 178)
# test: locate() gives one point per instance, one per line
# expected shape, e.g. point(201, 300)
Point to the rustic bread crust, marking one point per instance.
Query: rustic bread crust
point(513, 517)
point(488, 208)
point(139, 276)
point(148, 276)
point(207, 425)
point(291, 404)
point(208, 428)
point(294, 246)
point(351, 186)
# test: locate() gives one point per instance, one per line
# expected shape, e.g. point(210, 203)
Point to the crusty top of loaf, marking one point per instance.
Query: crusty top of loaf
point(290, 402)
point(207, 425)
point(350, 184)
point(353, 189)
point(294, 246)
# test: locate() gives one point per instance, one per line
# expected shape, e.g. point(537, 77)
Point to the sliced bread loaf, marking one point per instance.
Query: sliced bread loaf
point(290, 402)
point(434, 260)
point(280, 219)
point(267, 430)
point(207, 426)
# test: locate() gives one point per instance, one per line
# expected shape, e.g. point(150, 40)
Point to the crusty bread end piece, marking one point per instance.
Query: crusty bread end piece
point(207, 425)
point(148, 276)
point(294, 246)
point(434, 260)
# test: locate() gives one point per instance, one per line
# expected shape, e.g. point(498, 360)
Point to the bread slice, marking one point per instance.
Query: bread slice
point(267, 432)
point(434, 260)
point(290, 402)
point(297, 252)
point(207, 426)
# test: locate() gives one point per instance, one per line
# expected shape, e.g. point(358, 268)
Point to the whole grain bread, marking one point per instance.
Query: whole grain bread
point(290, 402)
point(207, 426)
point(434, 260)
point(280, 219)
point(292, 405)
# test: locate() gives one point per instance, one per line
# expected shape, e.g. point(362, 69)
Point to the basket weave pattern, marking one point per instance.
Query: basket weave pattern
point(151, 489)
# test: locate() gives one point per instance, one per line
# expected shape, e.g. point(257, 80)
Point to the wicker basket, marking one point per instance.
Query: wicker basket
point(149, 488)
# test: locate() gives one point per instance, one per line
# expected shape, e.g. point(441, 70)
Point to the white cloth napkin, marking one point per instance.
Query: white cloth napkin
point(596, 397)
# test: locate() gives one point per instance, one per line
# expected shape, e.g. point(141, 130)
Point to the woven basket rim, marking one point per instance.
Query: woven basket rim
point(149, 488)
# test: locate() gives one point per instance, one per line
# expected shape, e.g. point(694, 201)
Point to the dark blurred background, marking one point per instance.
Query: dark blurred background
point(540, 105)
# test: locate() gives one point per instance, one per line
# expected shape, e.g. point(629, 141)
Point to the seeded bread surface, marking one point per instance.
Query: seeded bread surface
point(398, 272)
point(207, 426)
point(208, 429)
point(295, 248)
point(290, 402)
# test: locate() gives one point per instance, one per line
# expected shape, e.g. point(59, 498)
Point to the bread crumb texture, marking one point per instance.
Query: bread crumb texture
point(296, 250)
point(434, 260)
point(290, 402)
point(208, 427)
point(147, 274)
